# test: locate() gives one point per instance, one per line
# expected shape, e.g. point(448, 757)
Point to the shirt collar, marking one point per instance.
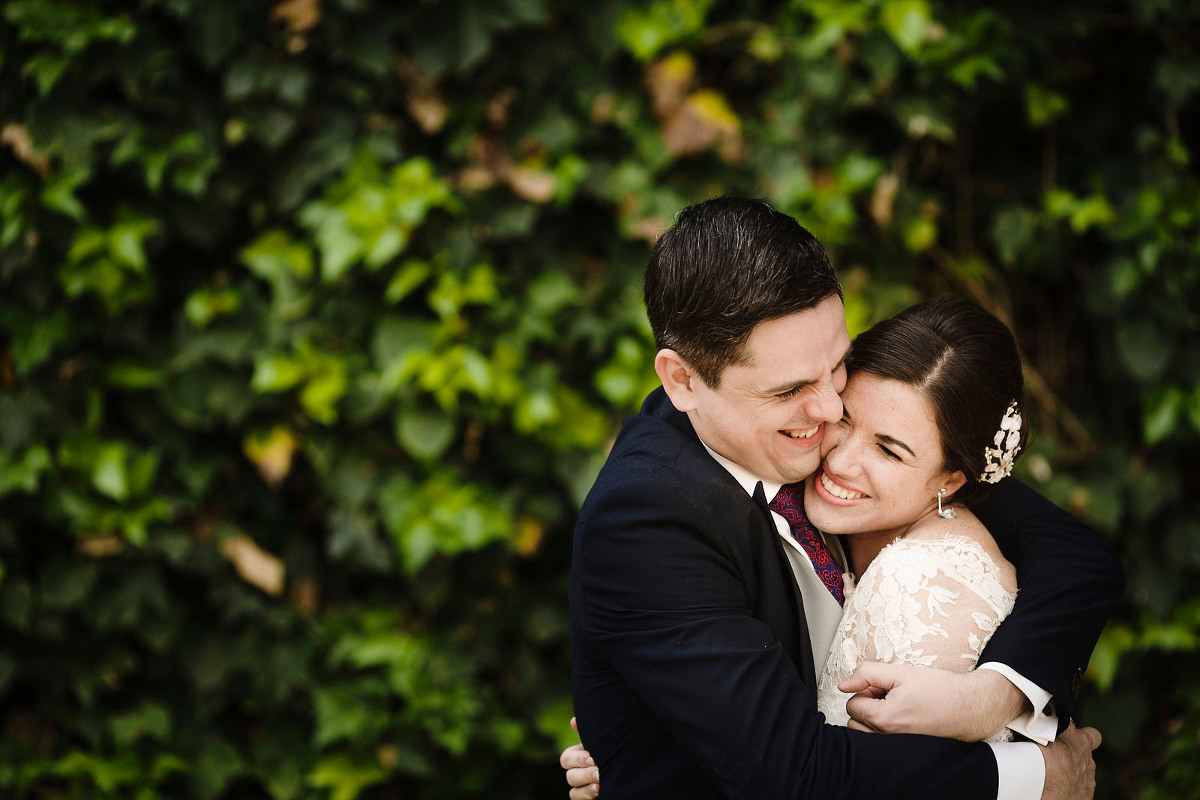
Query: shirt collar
point(746, 479)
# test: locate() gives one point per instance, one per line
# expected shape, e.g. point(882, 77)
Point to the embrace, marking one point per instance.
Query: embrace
point(798, 546)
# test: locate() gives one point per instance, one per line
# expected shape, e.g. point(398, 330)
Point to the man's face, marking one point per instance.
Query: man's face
point(769, 413)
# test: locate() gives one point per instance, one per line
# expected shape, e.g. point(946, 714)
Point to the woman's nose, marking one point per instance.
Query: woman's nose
point(842, 458)
point(832, 438)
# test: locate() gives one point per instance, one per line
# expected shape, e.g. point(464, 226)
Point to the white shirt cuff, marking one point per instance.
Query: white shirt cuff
point(1021, 770)
point(1040, 723)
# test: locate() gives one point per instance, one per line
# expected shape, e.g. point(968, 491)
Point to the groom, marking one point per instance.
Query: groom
point(696, 629)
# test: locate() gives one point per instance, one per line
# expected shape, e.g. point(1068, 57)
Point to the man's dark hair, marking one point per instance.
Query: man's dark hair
point(965, 361)
point(725, 266)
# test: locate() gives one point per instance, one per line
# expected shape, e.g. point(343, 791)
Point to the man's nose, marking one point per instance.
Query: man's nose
point(824, 405)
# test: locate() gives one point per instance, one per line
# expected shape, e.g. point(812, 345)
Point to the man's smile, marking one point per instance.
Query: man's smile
point(801, 433)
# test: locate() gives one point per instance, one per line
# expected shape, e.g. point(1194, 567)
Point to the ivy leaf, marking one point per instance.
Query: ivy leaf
point(408, 277)
point(58, 194)
point(1013, 232)
point(1163, 410)
point(344, 777)
point(1043, 105)
point(324, 389)
point(347, 713)
point(1145, 349)
point(1193, 408)
point(45, 69)
point(274, 257)
point(216, 764)
point(24, 474)
point(646, 30)
point(149, 720)
point(1092, 211)
point(277, 373)
point(108, 774)
point(425, 435)
point(907, 22)
point(110, 474)
point(1115, 641)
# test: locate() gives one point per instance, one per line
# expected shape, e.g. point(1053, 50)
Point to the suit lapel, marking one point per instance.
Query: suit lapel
point(792, 621)
point(803, 657)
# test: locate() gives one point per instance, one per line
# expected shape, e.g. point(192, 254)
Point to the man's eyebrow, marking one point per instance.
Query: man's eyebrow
point(883, 437)
point(796, 386)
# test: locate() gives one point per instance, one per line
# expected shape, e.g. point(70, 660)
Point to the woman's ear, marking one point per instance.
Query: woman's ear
point(677, 379)
point(953, 481)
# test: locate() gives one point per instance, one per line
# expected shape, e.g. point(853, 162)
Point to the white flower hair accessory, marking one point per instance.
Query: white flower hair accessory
point(1007, 444)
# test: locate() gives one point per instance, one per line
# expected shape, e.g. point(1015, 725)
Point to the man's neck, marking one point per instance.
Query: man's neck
point(745, 478)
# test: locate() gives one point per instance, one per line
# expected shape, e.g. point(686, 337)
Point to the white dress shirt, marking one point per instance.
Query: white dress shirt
point(1021, 768)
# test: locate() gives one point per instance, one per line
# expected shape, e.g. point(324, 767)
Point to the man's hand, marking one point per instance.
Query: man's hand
point(1070, 770)
point(583, 775)
point(902, 698)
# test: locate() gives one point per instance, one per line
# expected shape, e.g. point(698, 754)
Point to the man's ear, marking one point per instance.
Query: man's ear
point(678, 379)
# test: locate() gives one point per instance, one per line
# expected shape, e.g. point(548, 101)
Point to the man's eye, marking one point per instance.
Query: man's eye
point(790, 393)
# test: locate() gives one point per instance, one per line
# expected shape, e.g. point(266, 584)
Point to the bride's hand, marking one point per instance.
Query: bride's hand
point(902, 698)
point(583, 776)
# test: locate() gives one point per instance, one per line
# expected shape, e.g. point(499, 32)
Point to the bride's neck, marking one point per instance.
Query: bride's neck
point(861, 548)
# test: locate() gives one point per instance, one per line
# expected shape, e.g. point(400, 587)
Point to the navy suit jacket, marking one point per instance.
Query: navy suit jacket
point(691, 663)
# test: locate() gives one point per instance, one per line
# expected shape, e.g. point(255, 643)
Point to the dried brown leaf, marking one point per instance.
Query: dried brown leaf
point(428, 109)
point(304, 595)
point(17, 137)
point(298, 16)
point(100, 546)
point(271, 452)
point(703, 121)
point(536, 185)
point(603, 107)
point(530, 533)
point(883, 199)
point(648, 229)
point(669, 80)
point(254, 565)
point(497, 108)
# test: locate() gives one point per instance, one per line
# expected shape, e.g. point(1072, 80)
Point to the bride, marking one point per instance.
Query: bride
point(932, 418)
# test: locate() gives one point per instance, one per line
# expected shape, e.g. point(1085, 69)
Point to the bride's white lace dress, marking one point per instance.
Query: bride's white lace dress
point(934, 603)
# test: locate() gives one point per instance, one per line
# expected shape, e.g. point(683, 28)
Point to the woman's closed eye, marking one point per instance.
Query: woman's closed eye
point(890, 454)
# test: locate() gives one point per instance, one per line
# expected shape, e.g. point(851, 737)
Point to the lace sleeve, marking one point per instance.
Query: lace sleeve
point(928, 603)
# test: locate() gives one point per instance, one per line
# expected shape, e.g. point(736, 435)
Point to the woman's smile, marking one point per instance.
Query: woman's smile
point(835, 491)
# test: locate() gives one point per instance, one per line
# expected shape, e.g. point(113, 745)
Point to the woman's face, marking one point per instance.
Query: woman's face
point(883, 468)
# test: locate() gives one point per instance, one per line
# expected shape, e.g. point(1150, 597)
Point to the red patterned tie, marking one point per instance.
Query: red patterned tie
point(789, 504)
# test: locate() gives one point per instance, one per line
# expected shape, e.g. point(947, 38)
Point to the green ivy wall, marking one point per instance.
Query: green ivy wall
point(317, 316)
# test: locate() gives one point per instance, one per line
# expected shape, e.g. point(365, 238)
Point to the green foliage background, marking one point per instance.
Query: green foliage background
point(317, 318)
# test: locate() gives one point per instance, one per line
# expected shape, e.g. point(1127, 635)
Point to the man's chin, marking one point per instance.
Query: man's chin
point(800, 472)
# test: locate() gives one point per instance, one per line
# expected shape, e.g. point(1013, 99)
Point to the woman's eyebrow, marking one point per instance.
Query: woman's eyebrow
point(883, 437)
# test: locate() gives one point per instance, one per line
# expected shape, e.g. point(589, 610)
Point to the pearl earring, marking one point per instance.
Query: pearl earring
point(945, 513)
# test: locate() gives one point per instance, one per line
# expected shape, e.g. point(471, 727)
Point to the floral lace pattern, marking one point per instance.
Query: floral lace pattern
point(930, 603)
